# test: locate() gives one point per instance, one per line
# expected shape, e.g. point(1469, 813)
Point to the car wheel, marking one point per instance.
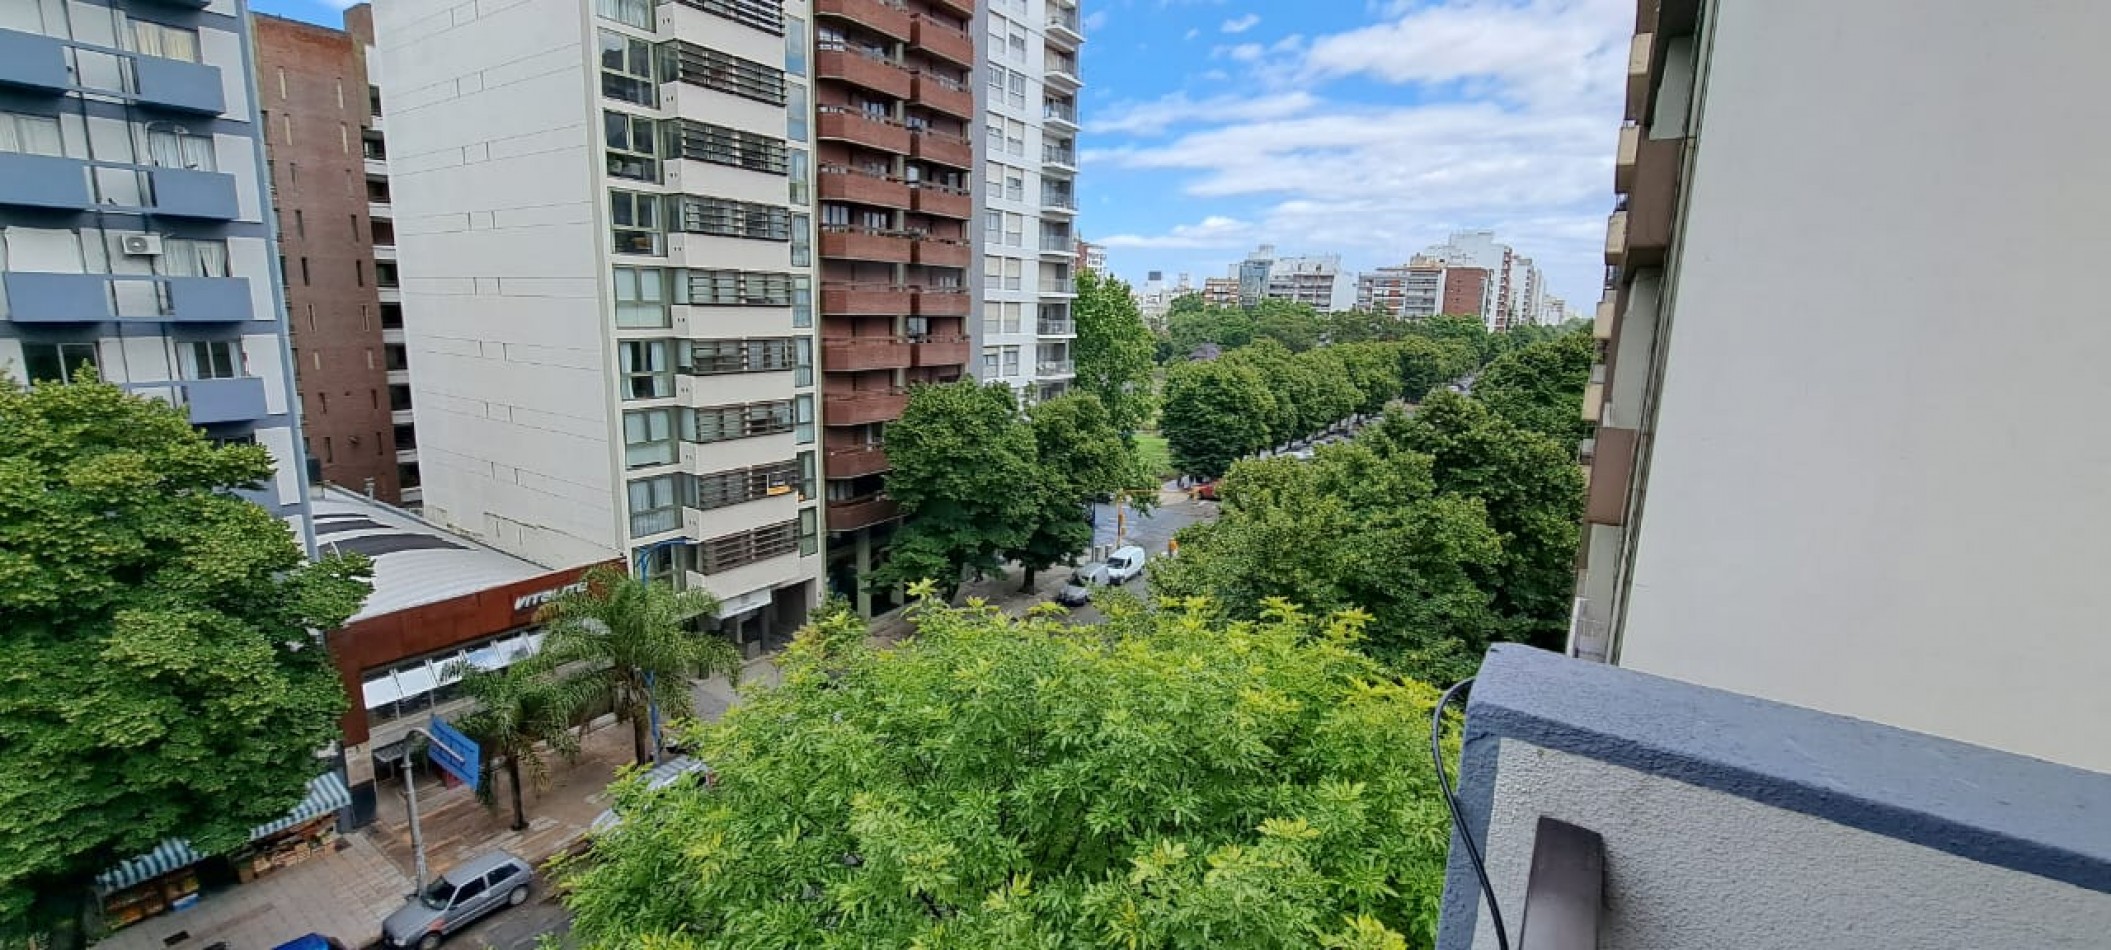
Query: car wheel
point(518, 897)
point(431, 941)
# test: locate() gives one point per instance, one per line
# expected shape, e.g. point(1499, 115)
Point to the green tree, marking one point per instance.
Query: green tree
point(1533, 492)
point(1427, 363)
point(1079, 457)
point(1468, 331)
point(1297, 326)
point(1540, 386)
point(1214, 413)
point(1373, 370)
point(1195, 329)
point(1157, 782)
point(630, 640)
point(164, 673)
point(1355, 528)
point(517, 708)
point(1114, 350)
point(965, 474)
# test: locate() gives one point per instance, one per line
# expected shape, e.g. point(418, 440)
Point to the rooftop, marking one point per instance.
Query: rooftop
point(415, 561)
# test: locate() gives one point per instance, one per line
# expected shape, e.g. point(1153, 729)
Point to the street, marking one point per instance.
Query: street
point(517, 928)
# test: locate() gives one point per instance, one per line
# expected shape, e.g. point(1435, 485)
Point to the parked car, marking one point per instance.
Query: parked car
point(1124, 564)
point(458, 898)
point(312, 941)
point(667, 773)
point(1075, 593)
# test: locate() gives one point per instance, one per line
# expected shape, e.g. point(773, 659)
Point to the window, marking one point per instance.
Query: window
point(1014, 230)
point(723, 146)
point(304, 272)
point(737, 288)
point(653, 506)
point(198, 257)
point(470, 891)
point(30, 135)
point(1013, 274)
point(1014, 137)
point(740, 219)
point(634, 223)
point(802, 243)
point(727, 552)
point(722, 423)
point(212, 359)
point(803, 361)
point(344, 138)
point(647, 373)
point(168, 42)
point(717, 357)
point(764, 15)
point(648, 437)
point(795, 46)
point(1015, 187)
point(1015, 43)
point(1011, 361)
point(664, 563)
point(1016, 95)
point(989, 361)
point(641, 297)
point(795, 113)
point(802, 293)
point(835, 216)
point(712, 69)
point(626, 69)
point(637, 13)
point(807, 476)
point(809, 531)
point(803, 416)
point(329, 450)
point(633, 145)
point(57, 362)
point(359, 272)
point(801, 173)
point(723, 489)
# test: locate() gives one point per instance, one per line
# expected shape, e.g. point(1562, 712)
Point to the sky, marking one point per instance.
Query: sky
point(1365, 128)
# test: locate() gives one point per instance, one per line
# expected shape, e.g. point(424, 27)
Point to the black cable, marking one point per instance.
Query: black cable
point(1451, 802)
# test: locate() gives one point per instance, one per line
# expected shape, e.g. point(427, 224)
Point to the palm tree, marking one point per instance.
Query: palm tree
point(626, 637)
point(517, 707)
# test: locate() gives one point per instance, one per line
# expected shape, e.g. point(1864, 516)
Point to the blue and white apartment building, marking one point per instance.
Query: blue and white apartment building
point(135, 225)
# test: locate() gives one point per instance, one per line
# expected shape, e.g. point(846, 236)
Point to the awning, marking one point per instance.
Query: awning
point(326, 794)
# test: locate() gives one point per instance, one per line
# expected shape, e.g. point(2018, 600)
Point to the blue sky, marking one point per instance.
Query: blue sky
point(1364, 128)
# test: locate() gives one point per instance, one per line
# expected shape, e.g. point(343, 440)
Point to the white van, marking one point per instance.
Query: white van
point(1124, 564)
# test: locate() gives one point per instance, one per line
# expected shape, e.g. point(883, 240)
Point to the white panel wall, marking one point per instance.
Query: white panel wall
point(1879, 485)
point(494, 185)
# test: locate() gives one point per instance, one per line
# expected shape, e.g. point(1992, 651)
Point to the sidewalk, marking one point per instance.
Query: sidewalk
point(344, 894)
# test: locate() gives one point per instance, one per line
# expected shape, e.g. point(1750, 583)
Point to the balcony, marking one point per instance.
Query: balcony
point(856, 462)
point(1641, 56)
point(384, 252)
point(939, 253)
point(943, 302)
point(862, 512)
point(1059, 112)
point(32, 61)
point(856, 354)
point(850, 243)
point(1062, 27)
point(1063, 246)
point(213, 401)
point(43, 181)
point(944, 41)
point(863, 407)
point(965, 9)
point(944, 95)
point(1616, 239)
point(943, 148)
point(1062, 73)
point(860, 128)
point(887, 19)
point(175, 84)
point(376, 167)
point(940, 201)
point(1059, 159)
point(1060, 288)
point(856, 185)
point(1055, 327)
point(942, 351)
point(864, 299)
point(96, 298)
point(1046, 369)
point(381, 210)
point(862, 69)
point(1058, 201)
point(1652, 200)
point(1676, 803)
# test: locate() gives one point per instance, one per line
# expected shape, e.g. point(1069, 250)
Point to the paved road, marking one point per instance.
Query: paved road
point(517, 928)
point(1151, 530)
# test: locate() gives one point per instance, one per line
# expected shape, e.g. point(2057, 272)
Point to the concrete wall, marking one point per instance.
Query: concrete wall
point(1876, 487)
point(496, 189)
point(1733, 822)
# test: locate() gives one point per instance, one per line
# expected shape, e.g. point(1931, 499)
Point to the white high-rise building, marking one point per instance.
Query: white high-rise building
point(603, 212)
point(1028, 201)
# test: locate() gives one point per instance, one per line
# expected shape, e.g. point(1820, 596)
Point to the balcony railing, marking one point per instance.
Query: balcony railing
point(857, 461)
point(863, 406)
point(1055, 327)
point(1051, 286)
point(1055, 368)
point(1056, 155)
point(1059, 242)
point(880, 16)
point(1058, 110)
point(856, 185)
point(1051, 198)
point(863, 353)
point(854, 513)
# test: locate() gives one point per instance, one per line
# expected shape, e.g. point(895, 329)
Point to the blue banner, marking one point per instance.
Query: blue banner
point(455, 752)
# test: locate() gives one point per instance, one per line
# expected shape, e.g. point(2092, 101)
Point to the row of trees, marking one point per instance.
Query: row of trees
point(1451, 526)
point(982, 483)
point(1160, 780)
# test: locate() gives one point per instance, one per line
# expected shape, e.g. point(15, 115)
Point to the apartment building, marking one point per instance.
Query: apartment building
point(1221, 291)
point(1028, 202)
point(604, 210)
point(135, 219)
point(892, 89)
point(338, 247)
point(1861, 497)
point(1092, 257)
point(1154, 296)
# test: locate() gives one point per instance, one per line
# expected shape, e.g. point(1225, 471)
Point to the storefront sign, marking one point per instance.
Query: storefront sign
point(455, 752)
point(541, 597)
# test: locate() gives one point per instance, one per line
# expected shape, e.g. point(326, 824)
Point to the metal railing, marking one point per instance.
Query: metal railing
point(1055, 327)
point(1054, 155)
point(1055, 368)
point(1056, 109)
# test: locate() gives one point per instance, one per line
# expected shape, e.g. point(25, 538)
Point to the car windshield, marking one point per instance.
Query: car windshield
point(439, 893)
point(1118, 563)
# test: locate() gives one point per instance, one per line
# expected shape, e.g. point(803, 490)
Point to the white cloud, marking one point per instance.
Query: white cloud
point(1094, 20)
point(1241, 24)
point(1191, 34)
point(1510, 125)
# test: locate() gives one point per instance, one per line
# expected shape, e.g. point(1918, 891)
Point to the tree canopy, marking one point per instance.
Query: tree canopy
point(1113, 350)
point(164, 677)
point(1215, 412)
point(1158, 781)
point(1079, 457)
point(1539, 386)
point(964, 472)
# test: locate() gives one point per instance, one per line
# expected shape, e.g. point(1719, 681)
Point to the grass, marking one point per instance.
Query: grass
point(1157, 459)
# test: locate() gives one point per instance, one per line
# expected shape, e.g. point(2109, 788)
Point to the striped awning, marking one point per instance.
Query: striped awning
point(326, 794)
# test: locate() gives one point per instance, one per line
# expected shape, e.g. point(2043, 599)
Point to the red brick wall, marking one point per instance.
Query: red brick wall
point(1463, 287)
point(333, 309)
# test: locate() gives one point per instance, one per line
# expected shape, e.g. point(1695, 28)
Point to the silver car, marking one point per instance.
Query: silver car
point(458, 898)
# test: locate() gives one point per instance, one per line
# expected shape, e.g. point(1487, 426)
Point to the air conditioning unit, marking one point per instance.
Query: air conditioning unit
point(141, 245)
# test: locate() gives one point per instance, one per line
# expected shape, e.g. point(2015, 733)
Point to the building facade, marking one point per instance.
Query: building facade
point(606, 217)
point(1028, 198)
point(1860, 500)
point(313, 81)
point(1092, 257)
point(1221, 291)
point(135, 218)
point(896, 105)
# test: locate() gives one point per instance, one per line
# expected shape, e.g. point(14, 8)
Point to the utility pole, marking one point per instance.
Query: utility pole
point(410, 794)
